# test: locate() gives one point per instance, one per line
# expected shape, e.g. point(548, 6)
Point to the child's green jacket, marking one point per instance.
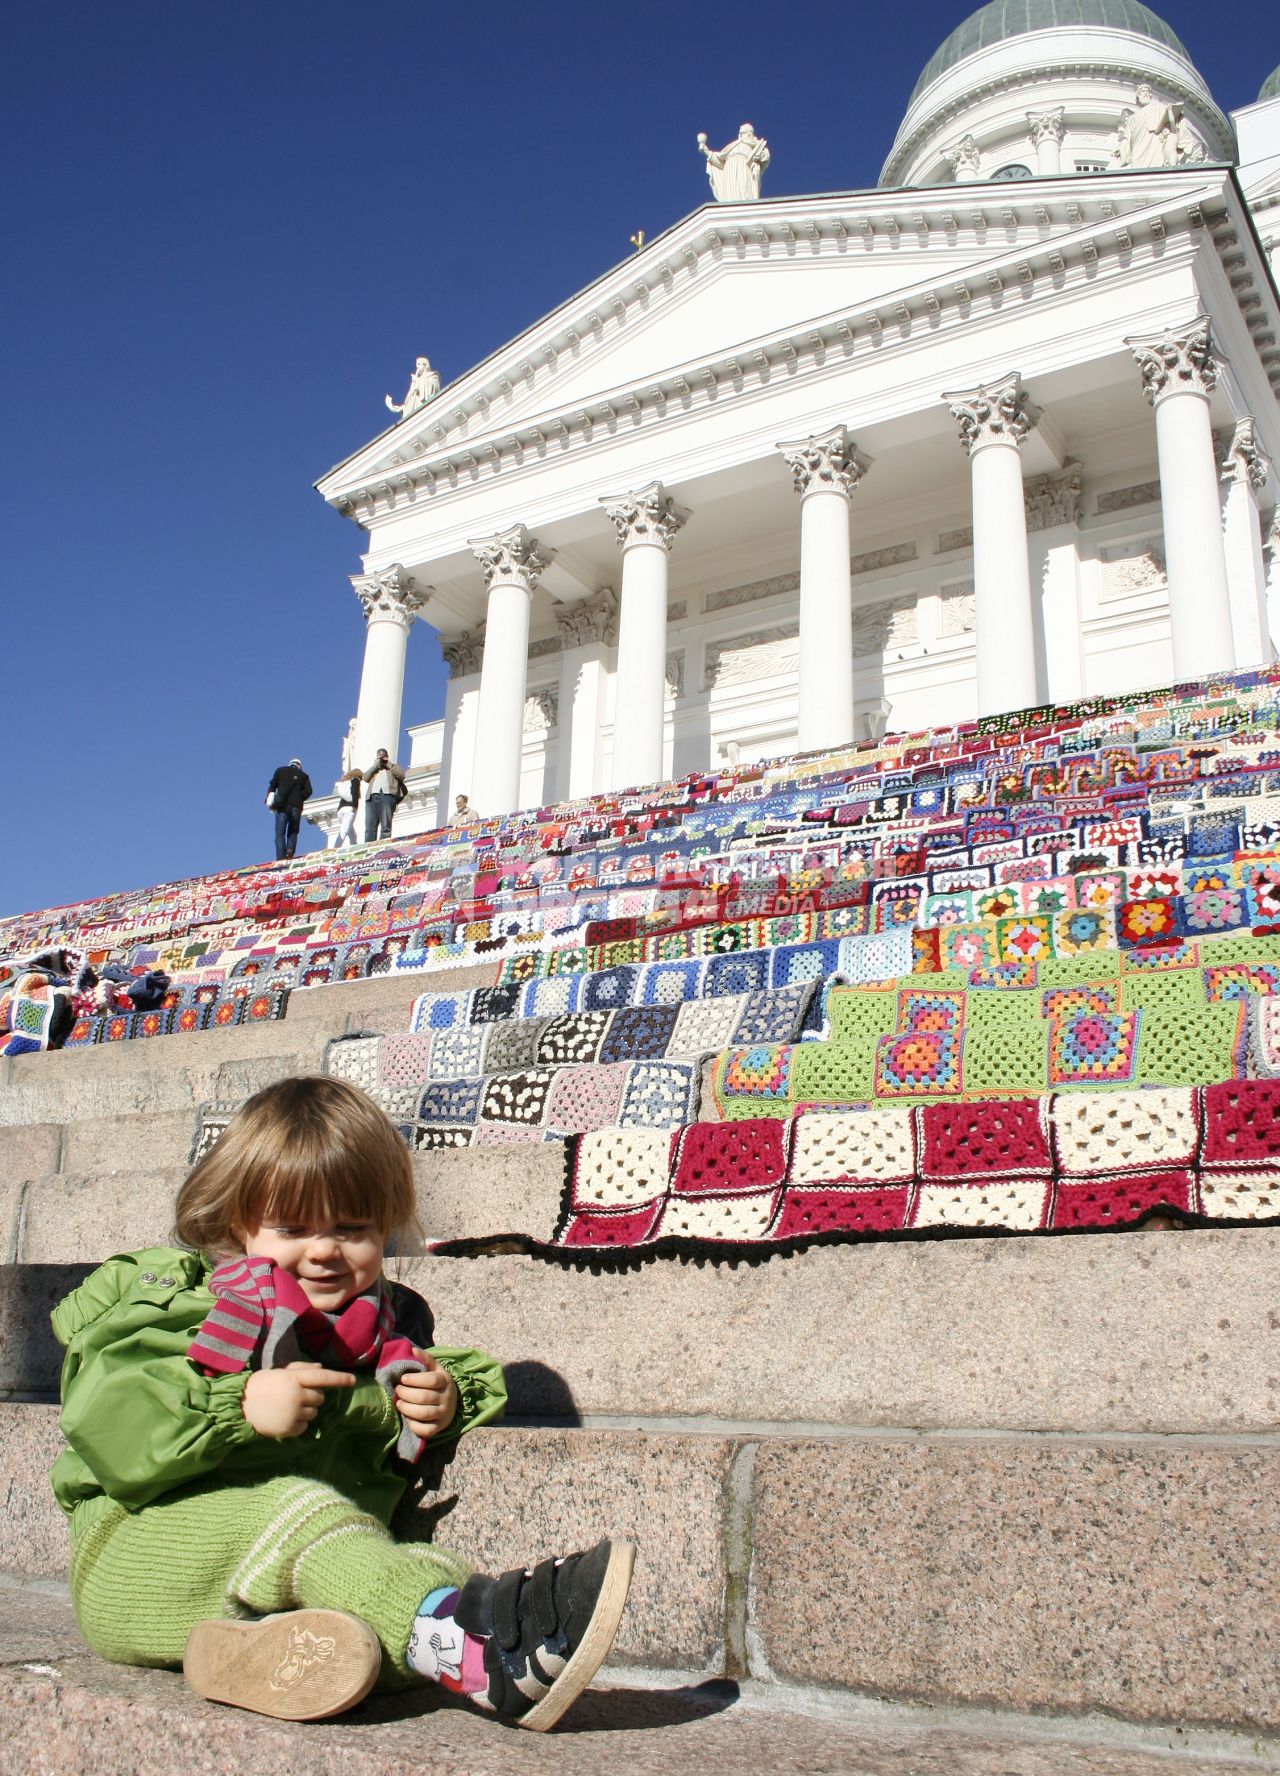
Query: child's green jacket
point(141, 1420)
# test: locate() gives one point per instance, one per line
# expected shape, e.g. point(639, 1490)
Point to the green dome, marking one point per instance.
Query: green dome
point(1271, 87)
point(1002, 19)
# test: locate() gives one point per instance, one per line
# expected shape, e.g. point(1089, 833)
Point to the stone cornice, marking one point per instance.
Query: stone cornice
point(1103, 223)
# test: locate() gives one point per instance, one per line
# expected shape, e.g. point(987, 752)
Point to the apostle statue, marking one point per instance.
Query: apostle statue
point(1148, 135)
point(735, 169)
point(424, 386)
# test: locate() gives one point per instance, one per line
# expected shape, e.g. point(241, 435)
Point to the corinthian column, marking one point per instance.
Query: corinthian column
point(646, 521)
point(1046, 137)
point(512, 563)
point(391, 602)
point(1178, 376)
point(825, 471)
point(1245, 471)
point(993, 423)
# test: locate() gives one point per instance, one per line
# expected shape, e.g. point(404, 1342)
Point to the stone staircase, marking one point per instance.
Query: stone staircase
point(976, 1505)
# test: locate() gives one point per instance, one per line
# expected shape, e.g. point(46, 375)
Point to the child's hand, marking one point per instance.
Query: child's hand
point(283, 1402)
point(426, 1398)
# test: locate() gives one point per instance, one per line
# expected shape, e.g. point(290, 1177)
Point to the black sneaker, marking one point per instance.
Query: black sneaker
point(547, 1632)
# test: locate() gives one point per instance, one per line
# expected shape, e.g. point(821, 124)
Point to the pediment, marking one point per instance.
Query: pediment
point(719, 312)
point(753, 282)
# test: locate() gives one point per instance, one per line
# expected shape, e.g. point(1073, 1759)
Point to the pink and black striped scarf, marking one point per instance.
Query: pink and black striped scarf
point(261, 1319)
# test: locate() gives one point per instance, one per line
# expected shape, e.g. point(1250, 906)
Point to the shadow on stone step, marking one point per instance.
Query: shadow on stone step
point(536, 1391)
point(30, 1356)
point(613, 1710)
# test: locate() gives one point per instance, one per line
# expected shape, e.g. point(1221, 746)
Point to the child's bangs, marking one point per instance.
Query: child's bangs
point(308, 1183)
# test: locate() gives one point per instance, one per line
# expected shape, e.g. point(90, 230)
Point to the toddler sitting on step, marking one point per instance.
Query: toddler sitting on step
point(243, 1417)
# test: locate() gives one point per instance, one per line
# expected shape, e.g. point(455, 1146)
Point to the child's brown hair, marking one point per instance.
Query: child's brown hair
point(300, 1149)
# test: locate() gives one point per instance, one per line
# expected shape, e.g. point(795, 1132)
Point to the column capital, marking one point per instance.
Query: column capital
point(392, 596)
point(825, 463)
point(511, 557)
point(1179, 363)
point(1045, 126)
point(993, 413)
point(1244, 460)
point(647, 515)
point(463, 653)
point(591, 620)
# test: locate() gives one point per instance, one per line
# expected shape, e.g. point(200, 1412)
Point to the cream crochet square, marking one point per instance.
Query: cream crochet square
point(735, 1218)
point(1019, 1206)
point(1113, 1131)
point(619, 1168)
point(876, 1146)
point(1246, 1195)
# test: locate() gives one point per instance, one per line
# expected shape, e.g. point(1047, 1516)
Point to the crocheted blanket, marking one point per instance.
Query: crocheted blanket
point(532, 1102)
point(1157, 1017)
point(1055, 1163)
point(34, 1013)
point(757, 1003)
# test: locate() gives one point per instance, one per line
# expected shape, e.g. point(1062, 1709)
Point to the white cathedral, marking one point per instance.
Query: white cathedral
point(1002, 431)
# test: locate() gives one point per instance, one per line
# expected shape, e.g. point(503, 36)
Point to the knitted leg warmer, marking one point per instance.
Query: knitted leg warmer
point(356, 1566)
point(141, 1580)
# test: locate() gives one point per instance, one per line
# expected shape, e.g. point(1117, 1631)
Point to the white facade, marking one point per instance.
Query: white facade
point(806, 465)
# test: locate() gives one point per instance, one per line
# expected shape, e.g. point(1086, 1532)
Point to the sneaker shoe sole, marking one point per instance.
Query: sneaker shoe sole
point(304, 1665)
point(592, 1649)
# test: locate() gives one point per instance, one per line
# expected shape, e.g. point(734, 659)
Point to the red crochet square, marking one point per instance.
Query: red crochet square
point(1242, 1123)
point(748, 1155)
point(1004, 1139)
point(808, 1212)
point(1115, 1202)
point(630, 1227)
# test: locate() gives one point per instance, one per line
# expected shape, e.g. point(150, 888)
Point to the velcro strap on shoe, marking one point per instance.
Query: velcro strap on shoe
point(541, 1598)
point(506, 1611)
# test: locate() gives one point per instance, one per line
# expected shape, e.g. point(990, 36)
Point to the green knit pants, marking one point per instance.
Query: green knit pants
point(141, 1580)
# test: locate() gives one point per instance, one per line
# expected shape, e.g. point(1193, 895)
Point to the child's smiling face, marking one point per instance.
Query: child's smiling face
point(332, 1261)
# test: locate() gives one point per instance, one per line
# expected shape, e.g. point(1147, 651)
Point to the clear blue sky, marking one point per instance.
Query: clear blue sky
point(228, 230)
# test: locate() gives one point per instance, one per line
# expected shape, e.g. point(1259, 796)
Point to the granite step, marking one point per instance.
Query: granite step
point(108, 1080)
point(166, 1074)
point(1161, 1333)
point(1124, 1575)
point(63, 1711)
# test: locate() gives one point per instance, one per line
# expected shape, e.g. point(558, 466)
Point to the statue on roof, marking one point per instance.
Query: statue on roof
point(424, 386)
point(735, 170)
point(1148, 134)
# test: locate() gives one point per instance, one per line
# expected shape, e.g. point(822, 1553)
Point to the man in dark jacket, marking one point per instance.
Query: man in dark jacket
point(286, 792)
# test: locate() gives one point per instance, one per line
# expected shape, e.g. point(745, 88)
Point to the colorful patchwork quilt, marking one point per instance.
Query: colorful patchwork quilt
point(1055, 1163)
point(34, 1014)
point(537, 1101)
point(1168, 1016)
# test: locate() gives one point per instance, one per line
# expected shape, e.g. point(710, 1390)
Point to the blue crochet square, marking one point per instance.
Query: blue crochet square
point(773, 1014)
point(745, 972)
point(610, 988)
point(442, 1013)
point(451, 1101)
point(638, 1033)
point(658, 1094)
point(669, 983)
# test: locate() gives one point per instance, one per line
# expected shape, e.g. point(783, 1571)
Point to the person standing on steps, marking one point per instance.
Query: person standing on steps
point(348, 802)
point(387, 790)
point(286, 792)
